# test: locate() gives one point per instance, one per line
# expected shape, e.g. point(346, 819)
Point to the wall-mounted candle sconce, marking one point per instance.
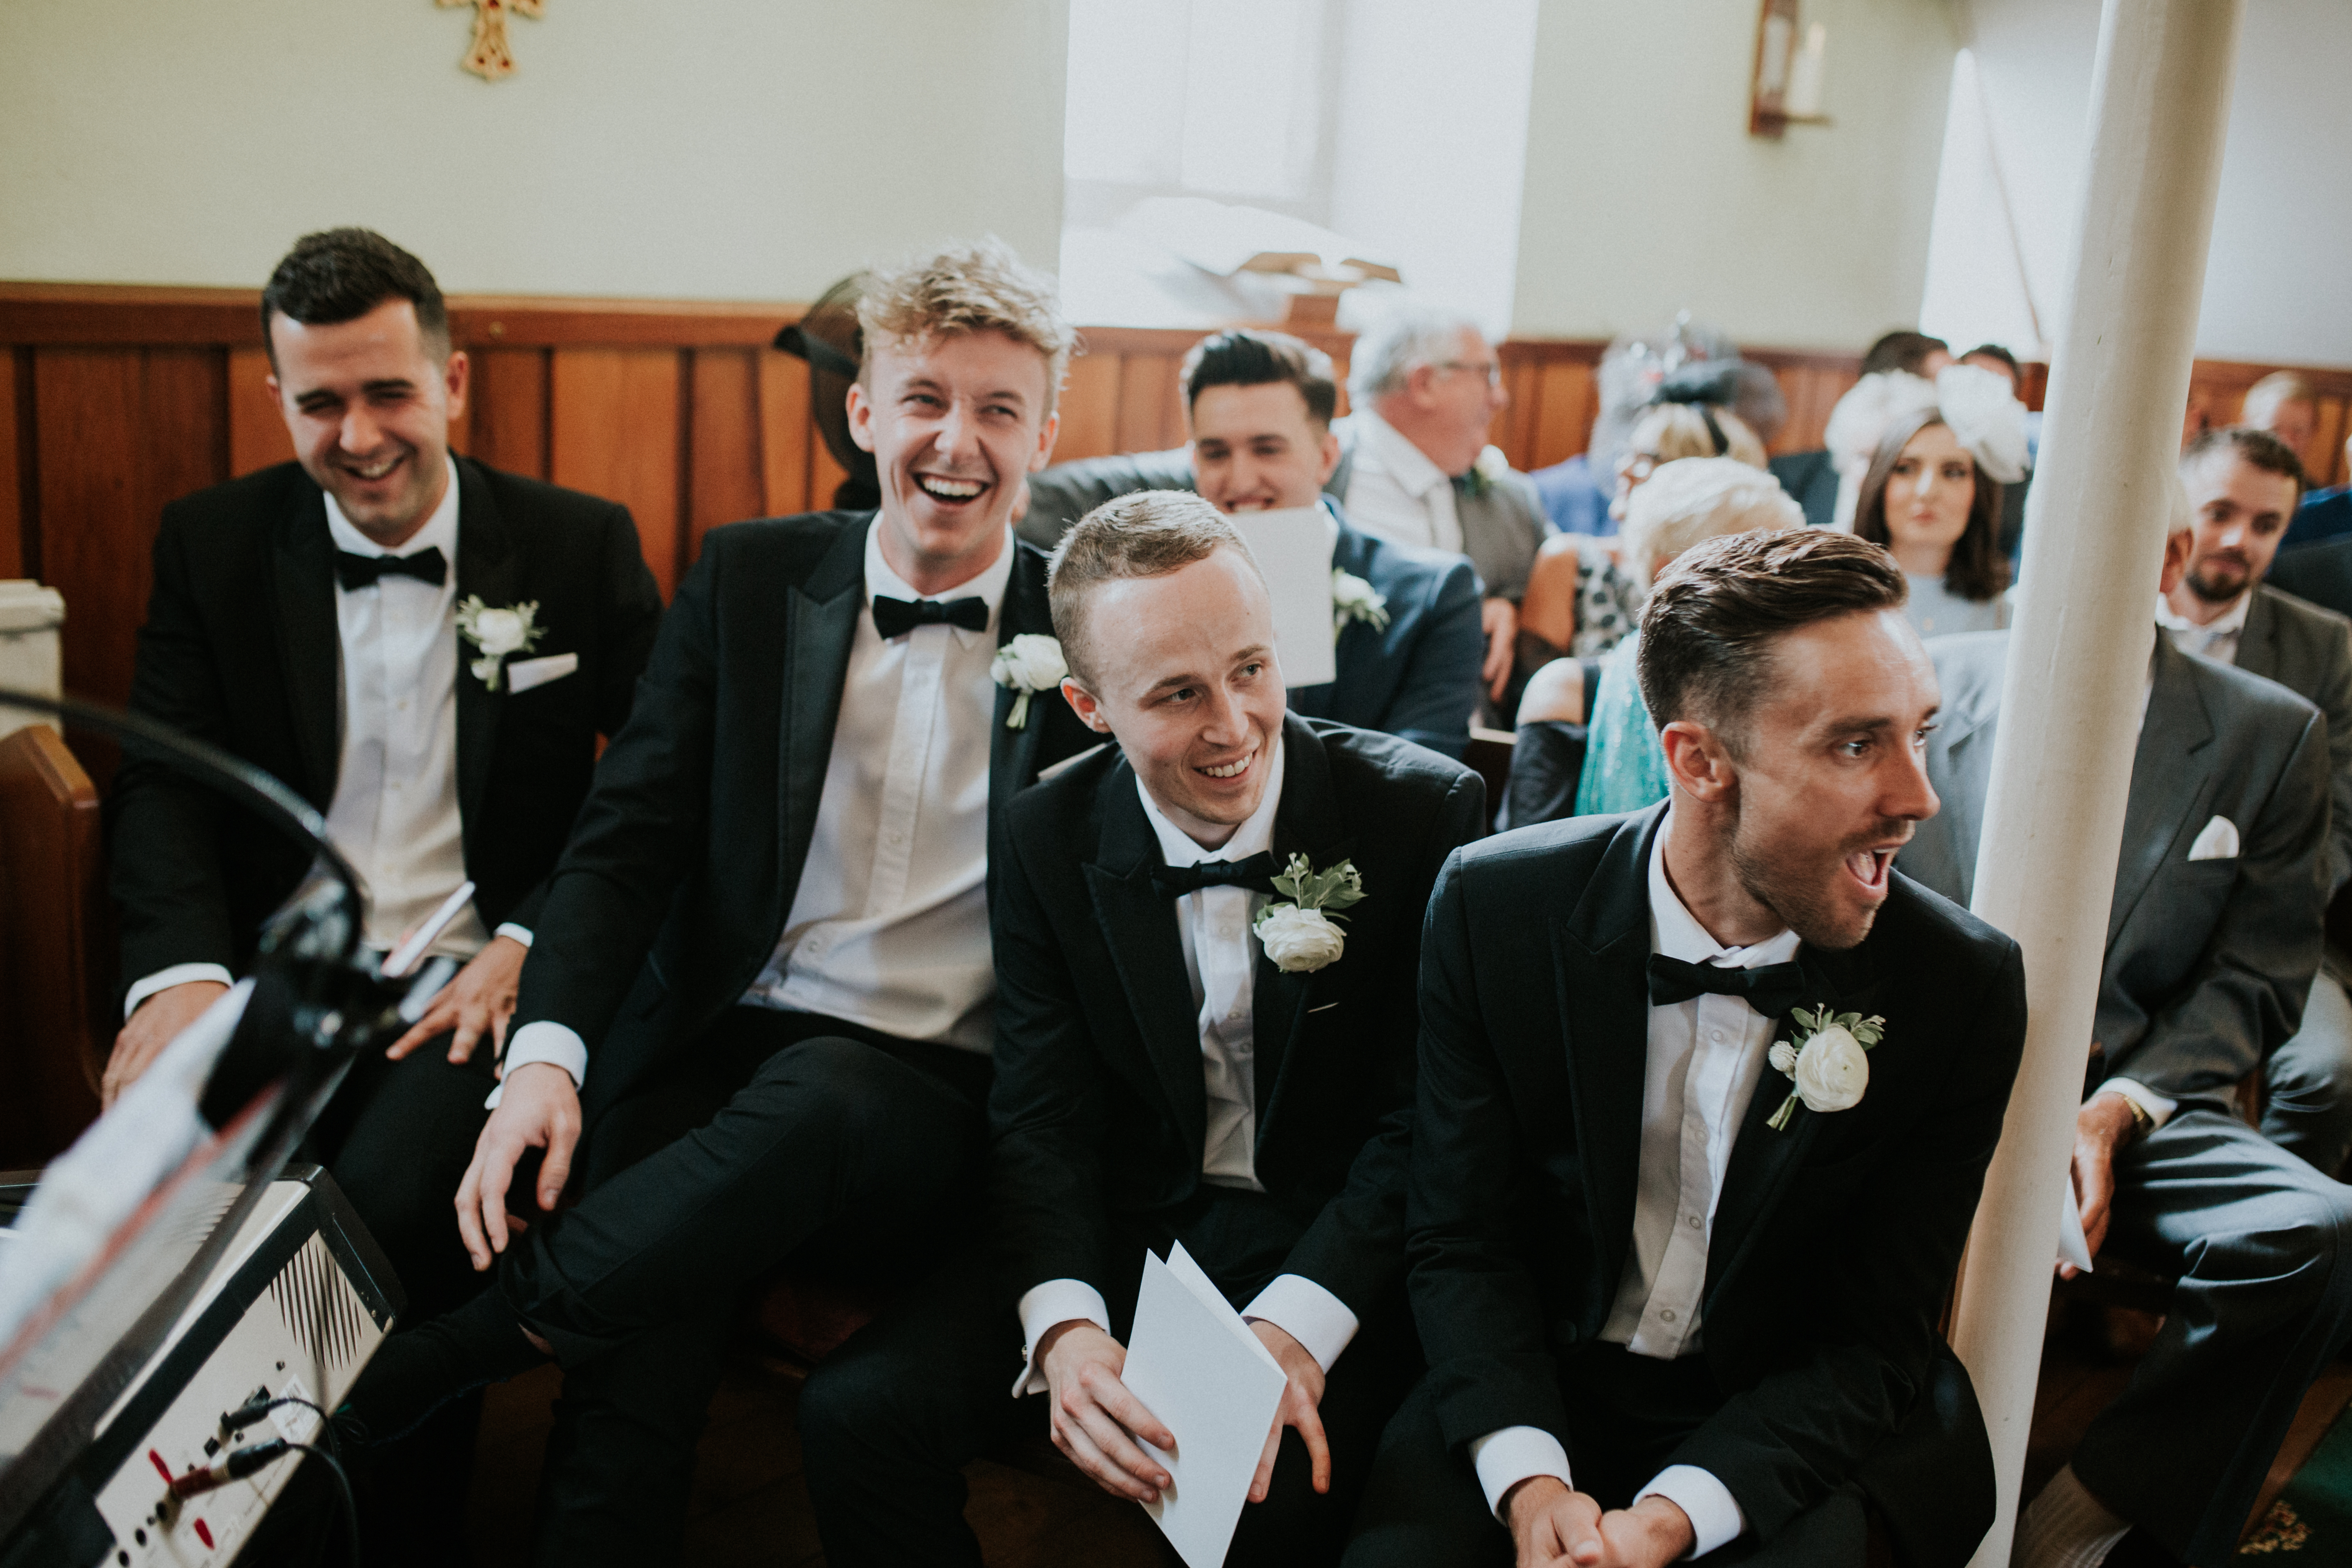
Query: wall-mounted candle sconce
point(1787, 88)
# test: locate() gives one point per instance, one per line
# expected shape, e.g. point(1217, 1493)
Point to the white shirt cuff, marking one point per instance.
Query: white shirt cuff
point(520, 933)
point(1308, 1314)
point(541, 1042)
point(1042, 1307)
point(164, 979)
point(1505, 1458)
point(2160, 1110)
point(1714, 1512)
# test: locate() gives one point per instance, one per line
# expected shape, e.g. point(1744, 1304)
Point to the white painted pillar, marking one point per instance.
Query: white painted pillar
point(2078, 659)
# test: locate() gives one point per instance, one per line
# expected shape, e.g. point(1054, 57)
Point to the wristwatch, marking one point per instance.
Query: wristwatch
point(2142, 1122)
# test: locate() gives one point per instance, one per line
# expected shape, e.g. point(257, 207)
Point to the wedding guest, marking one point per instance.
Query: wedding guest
point(2282, 404)
point(1824, 482)
point(763, 983)
point(486, 629)
point(1640, 1190)
point(1186, 1053)
point(1933, 497)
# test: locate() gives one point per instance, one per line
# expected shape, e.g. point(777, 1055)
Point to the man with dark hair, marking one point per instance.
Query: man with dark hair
point(1907, 351)
point(764, 987)
point(1410, 647)
point(486, 628)
point(1679, 1245)
point(2000, 361)
point(1186, 1052)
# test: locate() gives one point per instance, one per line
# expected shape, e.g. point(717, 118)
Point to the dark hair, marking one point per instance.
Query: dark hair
point(1994, 351)
point(2257, 449)
point(341, 274)
point(1978, 570)
point(1902, 350)
point(1714, 614)
point(1247, 357)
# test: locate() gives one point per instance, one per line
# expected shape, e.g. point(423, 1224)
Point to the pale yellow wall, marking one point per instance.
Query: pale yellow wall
point(698, 148)
point(1646, 194)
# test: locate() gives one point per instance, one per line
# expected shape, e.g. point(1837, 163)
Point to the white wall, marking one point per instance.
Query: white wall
point(1646, 194)
point(2274, 283)
point(701, 148)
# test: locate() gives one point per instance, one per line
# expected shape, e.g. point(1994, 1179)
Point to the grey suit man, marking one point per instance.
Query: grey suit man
point(2212, 941)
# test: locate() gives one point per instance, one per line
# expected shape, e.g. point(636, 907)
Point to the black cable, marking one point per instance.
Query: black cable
point(351, 1500)
point(244, 1415)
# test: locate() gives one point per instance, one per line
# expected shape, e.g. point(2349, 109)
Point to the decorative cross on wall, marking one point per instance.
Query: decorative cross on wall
point(488, 57)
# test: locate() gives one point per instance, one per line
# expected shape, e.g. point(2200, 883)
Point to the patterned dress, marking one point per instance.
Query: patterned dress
point(1624, 767)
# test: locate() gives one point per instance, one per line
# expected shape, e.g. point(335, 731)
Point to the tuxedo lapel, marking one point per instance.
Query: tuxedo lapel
point(310, 644)
point(489, 568)
point(820, 621)
point(2169, 778)
point(1363, 674)
point(1013, 752)
point(1601, 953)
point(1139, 924)
point(1306, 822)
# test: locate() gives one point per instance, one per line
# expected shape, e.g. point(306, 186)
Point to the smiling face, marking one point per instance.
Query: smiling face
point(1257, 448)
point(1189, 687)
point(369, 403)
point(2241, 511)
point(1830, 775)
point(1929, 491)
point(953, 423)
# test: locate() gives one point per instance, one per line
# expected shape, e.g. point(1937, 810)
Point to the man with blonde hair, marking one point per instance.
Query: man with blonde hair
point(762, 984)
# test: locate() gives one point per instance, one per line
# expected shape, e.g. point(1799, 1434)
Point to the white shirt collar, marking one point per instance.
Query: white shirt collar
point(1406, 463)
point(2233, 619)
point(1676, 931)
point(439, 532)
point(881, 582)
point(1256, 834)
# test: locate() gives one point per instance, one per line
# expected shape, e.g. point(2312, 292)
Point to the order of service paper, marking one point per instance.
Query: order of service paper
point(1293, 547)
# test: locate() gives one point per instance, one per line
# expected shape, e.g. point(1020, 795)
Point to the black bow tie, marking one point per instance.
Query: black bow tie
point(1252, 872)
point(361, 571)
point(1771, 989)
point(897, 618)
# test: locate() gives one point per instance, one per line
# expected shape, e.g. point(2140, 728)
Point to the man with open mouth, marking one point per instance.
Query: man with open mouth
point(1707, 1093)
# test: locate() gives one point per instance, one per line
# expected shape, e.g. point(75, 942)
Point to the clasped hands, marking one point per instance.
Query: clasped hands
point(1551, 1525)
point(1096, 1420)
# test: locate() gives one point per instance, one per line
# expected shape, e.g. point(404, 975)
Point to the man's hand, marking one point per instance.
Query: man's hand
point(1501, 617)
point(1651, 1534)
point(478, 1000)
point(2102, 1126)
point(154, 1025)
point(1552, 1525)
point(538, 1110)
point(1301, 1398)
point(1096, 1419)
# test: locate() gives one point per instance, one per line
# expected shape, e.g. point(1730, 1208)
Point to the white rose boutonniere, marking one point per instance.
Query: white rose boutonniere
point(1303, 935)
point(496, 635)
point(1354, 599)
point(1028, 664)
point(1830, 1063)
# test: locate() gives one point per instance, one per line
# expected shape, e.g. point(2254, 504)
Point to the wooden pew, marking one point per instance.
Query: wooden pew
point(53, 937)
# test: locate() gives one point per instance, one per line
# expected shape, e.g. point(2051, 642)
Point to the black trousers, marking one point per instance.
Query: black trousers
point(397, 1137)
point(1628, 1414)
point(776, 1136)
point(889, 1421)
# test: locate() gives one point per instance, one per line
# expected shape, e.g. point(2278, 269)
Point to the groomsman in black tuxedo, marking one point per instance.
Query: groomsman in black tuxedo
point(763, 980)
point(425, 649)
point(1185, 1053)
point(1679, 1240)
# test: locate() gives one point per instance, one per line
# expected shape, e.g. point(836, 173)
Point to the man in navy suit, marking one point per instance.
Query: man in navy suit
point(1260, 406)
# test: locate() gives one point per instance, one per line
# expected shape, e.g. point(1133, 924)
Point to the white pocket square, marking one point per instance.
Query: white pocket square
point(529, 672)
point(2219, 841)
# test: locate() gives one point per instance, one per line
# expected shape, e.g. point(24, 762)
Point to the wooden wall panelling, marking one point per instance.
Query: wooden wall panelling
point(615, 413)
point(786, 434)
point(725, 479)
point(826, 476)
point(1566, 396)
point(257, 430)
point(14, 555)
point(506, 424)
point(1812, 387)
point(1150, 417)
point(1089, 409)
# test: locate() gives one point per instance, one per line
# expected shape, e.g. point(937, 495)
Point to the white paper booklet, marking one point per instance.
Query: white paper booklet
point(1212, 1382)
point(1294, 550)
point(2074, 1244)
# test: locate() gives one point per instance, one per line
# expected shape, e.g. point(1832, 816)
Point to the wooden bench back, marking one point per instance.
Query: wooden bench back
point(53, 938)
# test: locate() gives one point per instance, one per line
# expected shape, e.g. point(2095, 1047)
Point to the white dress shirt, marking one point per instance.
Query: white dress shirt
point(2216, 638)
point(394, 814)
point(1706, 1058)
point(888, 927)
point(1396, 492)
point(1221, 955)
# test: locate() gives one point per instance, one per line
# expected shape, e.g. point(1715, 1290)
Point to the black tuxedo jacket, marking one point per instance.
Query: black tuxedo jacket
point(677, 883)
point(1835, 1241)
point(240, 649)
point(1100, 1107)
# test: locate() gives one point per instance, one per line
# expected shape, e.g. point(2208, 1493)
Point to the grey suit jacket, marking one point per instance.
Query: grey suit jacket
point(2207, 961)
point(2308, 651)
point(1502, 526)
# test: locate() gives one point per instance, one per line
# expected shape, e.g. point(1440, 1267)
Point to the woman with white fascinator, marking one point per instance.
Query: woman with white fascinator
point(1932, 495)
